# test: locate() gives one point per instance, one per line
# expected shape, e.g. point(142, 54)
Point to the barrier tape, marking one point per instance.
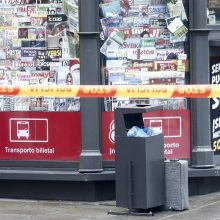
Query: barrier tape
point(101, 91)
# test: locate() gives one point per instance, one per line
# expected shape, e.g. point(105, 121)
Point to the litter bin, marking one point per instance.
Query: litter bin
point(139, 162)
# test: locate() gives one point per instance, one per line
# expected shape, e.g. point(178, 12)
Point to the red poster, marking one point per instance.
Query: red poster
point(40, 136)
point(174, 124)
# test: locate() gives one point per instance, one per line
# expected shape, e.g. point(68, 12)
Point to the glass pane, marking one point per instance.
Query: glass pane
point(140, 47)
point(213, 11)
point(39, 45)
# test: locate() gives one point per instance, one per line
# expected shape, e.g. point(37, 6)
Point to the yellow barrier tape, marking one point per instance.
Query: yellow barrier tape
point(100, 91)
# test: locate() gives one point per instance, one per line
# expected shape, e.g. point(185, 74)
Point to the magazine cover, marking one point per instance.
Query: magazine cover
point(6, 10)
point(38, 104)
point(42, 64)
point(73, 104)
point(23, 65)
point(54, 54)
point(71, 8)
point(165, 65)
point(73, 24)
point(6, 64)
point(176, 27)
point(75, 71)
point(111, 8)
point(6, 19)
point(60, 104)
point(56, 29)
point(54, 41)
point(157, 11)
point(148, 42)
point(28, 54)
point(176, 8)
point(62, 69)
point(43, 77)
point(46, 1)
point(10, 76)
point(21, 103)
point(33, 44)
point(9, 103)
point(3, 79)
point(133, 75)
point(49, 9)
point(13, 54)
point(73, 41)
point(32, 33)
point(146, 76)
point(1, 103)
point(3, 53)
point(109, 24)
point(11, 33)
point(72, 11)
point(20, 11)
point(22, 78)
point(169, 54)
point(149, 65)
point(21, 21)
point(31, 9)
point(68, 72)
point(115, 74)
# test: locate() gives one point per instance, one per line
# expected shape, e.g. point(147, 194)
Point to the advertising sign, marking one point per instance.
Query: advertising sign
point(215, 106)
point(40, 136)
point(55, 136)
point(175, 126)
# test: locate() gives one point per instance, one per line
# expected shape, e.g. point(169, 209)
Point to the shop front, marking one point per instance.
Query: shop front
point(66, 145)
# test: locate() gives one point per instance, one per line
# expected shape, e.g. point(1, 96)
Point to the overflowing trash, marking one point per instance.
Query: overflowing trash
point(142, 132)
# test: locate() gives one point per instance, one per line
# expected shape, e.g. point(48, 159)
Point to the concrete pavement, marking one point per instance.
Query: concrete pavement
point(205, 207)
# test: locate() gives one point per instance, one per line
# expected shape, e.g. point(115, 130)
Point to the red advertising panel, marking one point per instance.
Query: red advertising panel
point(174, 124)
point(40, 136)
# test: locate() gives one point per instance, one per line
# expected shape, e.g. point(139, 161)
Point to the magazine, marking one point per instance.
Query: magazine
point(36, 44)
point(8, 103)
point(6, 19)
point(1, 103)
point(38, 20)
point(168, 54)
point(71, 9)
point(22, 78)
point(74, 66)
point(38, 104)
point(10, 76)
point(49, 9)
point(111, 8)
point(13, 54)
point(43, 77)
point(176, 27)
point(165, 65)
point(28, 54)
point(3, 79)
point(54, 54)
point(21, 103)
point(62, 69)
point(31, 9)
point(176, 9)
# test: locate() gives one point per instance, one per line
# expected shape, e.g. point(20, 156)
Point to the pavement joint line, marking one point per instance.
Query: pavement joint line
point(190, 210)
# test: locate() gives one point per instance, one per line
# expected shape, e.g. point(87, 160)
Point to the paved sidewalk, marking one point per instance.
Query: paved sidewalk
point(204, 207)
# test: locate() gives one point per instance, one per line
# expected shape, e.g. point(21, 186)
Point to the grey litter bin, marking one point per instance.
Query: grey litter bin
point(139, 162)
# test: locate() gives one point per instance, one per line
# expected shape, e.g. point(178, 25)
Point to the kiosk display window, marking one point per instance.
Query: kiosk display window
point(144, 43)
point(39, 45)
